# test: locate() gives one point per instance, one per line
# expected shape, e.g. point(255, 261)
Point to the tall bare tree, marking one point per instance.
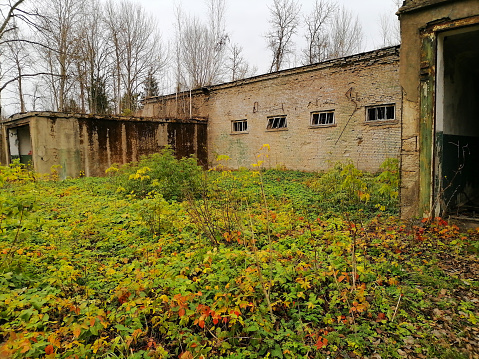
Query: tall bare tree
point(136, 50)
point(7, 13)
point(237, 66)
point(389, 27)
point(59, 35)
point(93, 55)
point(346, 36)
point(317, 31)
point(201, 47)
point(19, 59)
point(284, 20)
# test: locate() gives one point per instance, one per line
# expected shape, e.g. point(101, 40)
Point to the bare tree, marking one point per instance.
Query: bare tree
point(19, 57)
point(136, 51)
point(61, 45)
point(284, 20)
point(236, 64)
point(201, 47)
point(93, 55)
point(390, 28)
point(346, 36)
point(7, 13)
point(317, 31)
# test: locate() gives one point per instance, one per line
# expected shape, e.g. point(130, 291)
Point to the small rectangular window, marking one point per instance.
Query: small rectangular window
point(380, 113)
point(240, 126)
point(322, 118)
point(276, 122)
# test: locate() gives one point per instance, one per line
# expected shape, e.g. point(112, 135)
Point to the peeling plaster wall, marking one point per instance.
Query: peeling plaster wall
point(91, 144)
point(416, 194)
point(346, 85)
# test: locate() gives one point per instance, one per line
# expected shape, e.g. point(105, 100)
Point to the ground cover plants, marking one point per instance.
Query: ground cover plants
point(150, 263)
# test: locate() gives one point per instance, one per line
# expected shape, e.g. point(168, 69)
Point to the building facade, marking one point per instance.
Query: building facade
point(88, 145)
point(347, 109)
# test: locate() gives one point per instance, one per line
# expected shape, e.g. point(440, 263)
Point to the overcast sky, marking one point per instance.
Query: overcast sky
point(247, 22)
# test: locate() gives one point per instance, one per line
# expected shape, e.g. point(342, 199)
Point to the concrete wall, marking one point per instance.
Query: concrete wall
point(421, 22)
point(346, 86)
point(91, 144)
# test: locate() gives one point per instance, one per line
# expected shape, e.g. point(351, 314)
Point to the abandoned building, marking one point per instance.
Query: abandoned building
point(86, 144)
point(418, 103)
point(439, 76)
point(311, 116)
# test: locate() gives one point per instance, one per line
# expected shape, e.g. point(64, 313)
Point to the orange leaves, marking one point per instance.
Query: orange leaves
point(49, 349)
point(233, 236)
point(381, 317)
point(76, 330)
point(321, 343)
point(358, 307)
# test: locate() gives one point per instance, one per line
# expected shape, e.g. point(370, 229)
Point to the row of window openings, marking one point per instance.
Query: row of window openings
point(377, 113)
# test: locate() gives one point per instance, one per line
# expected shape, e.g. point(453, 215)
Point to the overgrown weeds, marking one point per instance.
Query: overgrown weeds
point(228, 274)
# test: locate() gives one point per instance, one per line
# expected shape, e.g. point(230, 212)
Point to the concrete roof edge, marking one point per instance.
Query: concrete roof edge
point(337, 62)
point(418, 5)
point(52, 114)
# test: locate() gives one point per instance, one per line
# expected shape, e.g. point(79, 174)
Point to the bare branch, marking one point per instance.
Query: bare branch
point(284, 18)
point(9, 16)
point(25, 75)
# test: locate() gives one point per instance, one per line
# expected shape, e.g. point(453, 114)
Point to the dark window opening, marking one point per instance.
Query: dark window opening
point(322, 118)
point(381, 113)
point(240, 126)
point(276, 122)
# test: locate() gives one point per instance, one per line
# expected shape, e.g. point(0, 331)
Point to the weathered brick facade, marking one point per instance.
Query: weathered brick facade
point(347, 86)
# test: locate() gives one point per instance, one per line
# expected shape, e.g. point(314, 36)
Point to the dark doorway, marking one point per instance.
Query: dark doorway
point(20, 144)
point(457, 123)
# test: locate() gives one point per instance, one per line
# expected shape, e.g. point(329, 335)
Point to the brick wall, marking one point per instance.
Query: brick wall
point(346, 86)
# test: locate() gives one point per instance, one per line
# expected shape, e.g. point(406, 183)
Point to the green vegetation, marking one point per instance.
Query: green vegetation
point(163, 260)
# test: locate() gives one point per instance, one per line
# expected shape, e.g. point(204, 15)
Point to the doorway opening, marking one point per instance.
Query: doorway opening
point(457, 123)
point(20, 144)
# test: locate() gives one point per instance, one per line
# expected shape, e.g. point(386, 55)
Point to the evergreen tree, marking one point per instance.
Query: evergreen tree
point(98, 97)
point(151, 88)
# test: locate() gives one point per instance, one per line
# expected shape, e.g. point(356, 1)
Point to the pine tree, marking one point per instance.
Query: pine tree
point(98, 98)
point(151, 88)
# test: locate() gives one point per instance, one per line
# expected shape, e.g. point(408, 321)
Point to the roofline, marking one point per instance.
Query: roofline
point(51, 114)
point(338, 62)
point(424, 4)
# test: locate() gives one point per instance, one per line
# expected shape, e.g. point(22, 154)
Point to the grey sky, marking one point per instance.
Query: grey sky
point(247, 22)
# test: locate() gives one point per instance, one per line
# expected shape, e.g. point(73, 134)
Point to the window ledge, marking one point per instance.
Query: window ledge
point(381, 122)
point(239, 133)
point(322, 126)
point(276, 129)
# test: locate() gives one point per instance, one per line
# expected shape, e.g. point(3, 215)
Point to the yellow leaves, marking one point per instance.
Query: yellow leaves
point(140, 174)
point(53, 339)
point(110, 271)
point(164, 298)
point(99, 343)
point(111, 169)
point(223, 158)
point(304, 283)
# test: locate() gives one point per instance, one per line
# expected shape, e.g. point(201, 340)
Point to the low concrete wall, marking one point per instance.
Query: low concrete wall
point(90, 144)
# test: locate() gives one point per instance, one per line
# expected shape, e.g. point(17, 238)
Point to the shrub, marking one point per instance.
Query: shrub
point(345, 188)
point(160, 173)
